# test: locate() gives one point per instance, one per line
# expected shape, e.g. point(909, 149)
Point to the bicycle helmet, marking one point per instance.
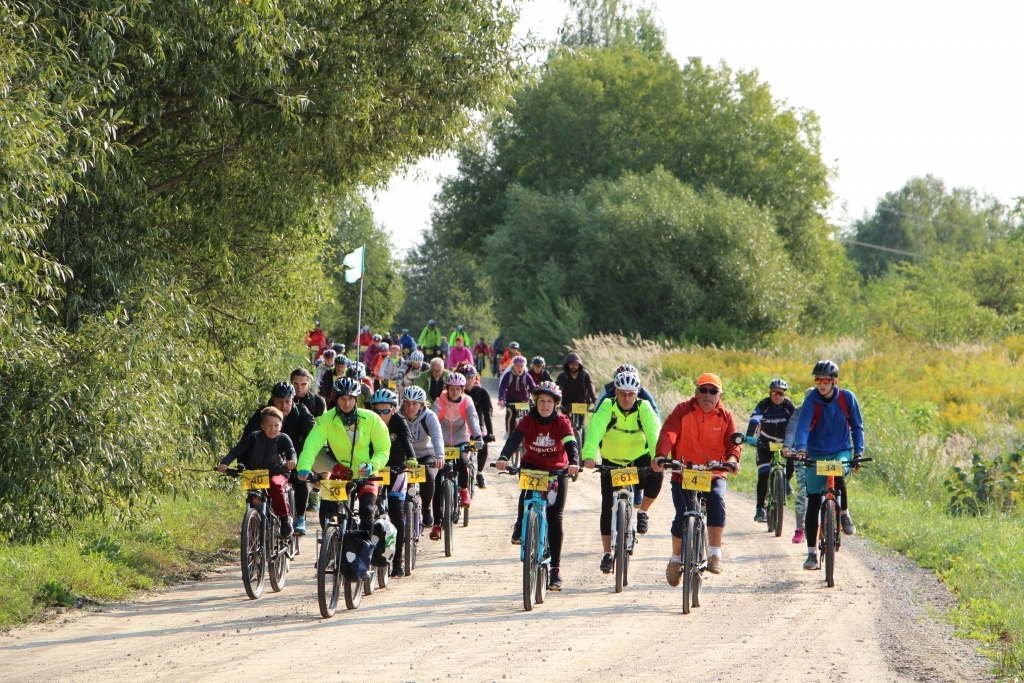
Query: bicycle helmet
point(416, 357)
point(549, 388)
point(519, 360)
point(779, 384)
point(356, 371)
point(826, 367)
point(339, 348)
point(469, 371)
point(376, 337)
point(329, 354)
point(455, 380)
point(539, 360)
point(627, 381)
point(405, 330)
point(346, 386)
point(414, 393)
point(384, 346)
point(460, 328)
point(283, 390)
point(431, 322)
point(384, 396)
point(395, 347)
point(513, 345)
point(626, 368)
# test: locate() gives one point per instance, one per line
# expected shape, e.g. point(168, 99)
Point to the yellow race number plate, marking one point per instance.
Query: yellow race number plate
point(774, 446)
point(624, 476)
point(579, 408)
point(830, 468)
point(385, 477)
point(452, 453)
point(334, 489)
point(521, 406)
point(254, 480)
point(696, 480)
point(392, 384)
point(533, 480)
point(417, 475)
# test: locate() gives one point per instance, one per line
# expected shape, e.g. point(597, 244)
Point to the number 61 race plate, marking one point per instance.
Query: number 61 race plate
point(625, 476)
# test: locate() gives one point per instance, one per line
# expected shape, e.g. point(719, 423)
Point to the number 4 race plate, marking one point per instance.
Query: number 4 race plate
point(254, 480)
point(696, 480)
point(625, 476)
point(533, 480)
point(579, 408)
point(334, 489)
point(830, 468)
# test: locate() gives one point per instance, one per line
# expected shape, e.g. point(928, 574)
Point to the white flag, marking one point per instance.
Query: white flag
point(354, 263)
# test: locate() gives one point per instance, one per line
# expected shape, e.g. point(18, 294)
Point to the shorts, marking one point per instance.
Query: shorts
point(684, 500)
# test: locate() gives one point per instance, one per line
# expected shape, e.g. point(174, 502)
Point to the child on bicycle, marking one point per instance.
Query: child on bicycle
point(769, 420)
point(549, 444)
point(268, 449)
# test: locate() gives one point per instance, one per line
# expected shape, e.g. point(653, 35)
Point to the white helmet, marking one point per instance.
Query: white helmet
point(456, 379)
point(627, 381)
point(414, 393)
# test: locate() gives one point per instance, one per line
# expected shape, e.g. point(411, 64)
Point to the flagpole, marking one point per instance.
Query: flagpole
point(359, 325)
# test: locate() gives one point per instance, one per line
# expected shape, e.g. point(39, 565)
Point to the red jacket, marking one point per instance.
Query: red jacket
point(693, 436)
point(481, 349)
point(316, 338)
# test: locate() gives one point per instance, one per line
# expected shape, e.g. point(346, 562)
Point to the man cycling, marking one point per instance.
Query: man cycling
point(497, 350)
point(515, 386)
point(430, 341)
point(830, 428)
point(385, 404)
point(372, 352)
point(538, 370)
point(575, 383)
point(302, 380)
point(481, 352)
point(625, 428)
point(433, 382)
point(549, 444)
point(771, 416)
point(407, 343)
point(327, 372)
point(427, 443)
point(315, 342)
point(460, 331)
point(360, 446)
point(459, 426)
point(506, 358)
point(699, 431)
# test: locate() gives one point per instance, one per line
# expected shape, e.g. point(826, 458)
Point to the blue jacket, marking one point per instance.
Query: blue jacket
point(407, 342)
point(609, 392)
point(831, 435)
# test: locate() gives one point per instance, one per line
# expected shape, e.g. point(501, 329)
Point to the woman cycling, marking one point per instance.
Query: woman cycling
point(549, 444)
point(385, 404)
point(515, 387)
point(459, 426)
point(426, 442)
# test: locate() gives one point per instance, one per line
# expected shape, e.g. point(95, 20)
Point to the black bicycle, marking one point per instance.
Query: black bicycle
point(577, 418)
point(413, 514)
point(623, 519)
point(447, 487)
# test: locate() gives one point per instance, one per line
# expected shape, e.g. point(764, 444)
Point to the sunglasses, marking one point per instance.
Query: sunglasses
point(778, 393)
point(385, 411)
point(708, 390)
point(300, 384)
point(823, 380)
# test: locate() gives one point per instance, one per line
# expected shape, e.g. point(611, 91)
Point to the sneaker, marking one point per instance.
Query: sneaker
point(638, 497)
point(798, 536)
point(286, 526)
point(300, 526)
point(847, 522)
point(428, 519)
point(606, 563)
point(464, 499)
point(811, 563)
point(480, 483)
point(674, 573)
point(517, 533)
point(555, 579)
point(715, 564)
point(314, 502)
point(759, 515)
point(435, 533)
point(642, 523)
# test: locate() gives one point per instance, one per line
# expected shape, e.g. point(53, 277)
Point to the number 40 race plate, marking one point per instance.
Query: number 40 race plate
point(254, 480)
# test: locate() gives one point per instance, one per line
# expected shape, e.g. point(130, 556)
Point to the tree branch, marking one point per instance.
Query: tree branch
point(199, 165)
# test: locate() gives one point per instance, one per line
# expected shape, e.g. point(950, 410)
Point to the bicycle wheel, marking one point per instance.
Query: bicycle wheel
point(529, 550)
point(368, 586)
point(448, 516)
point(689, 558)
point(254, 556)
point(621, 552)
point(829, 536)
point(277, 553)
point(769, 511)
point(328, 574)
point(383, 576)
point(779, 494)
point(465, 511)
point(410, 541)
point(701, 555)
point(353, 592)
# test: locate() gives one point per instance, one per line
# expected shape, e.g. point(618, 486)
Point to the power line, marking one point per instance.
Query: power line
point(875, 246)
point(922, 218)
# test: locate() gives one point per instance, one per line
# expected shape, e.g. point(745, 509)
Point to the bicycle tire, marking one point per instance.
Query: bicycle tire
point(542, 585)
point(529, 551)
point(410, 537)
point(368, 586)
point(689, 557)
point(769, 512)
point(353, 592)
point(621, 520)
point(464, 512)
point(779, 494)
point(448, 514)
point(328, 574)
point(829, 535)
point(277, 557)
point(384, 576)
point(253, 554)
point(701, 551)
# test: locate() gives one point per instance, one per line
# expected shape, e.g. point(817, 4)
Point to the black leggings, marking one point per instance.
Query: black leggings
point(427, 487)
point(396, 511)
point(554, 517)
point(814, 508)
point(301, 492)
point(762, 481)
point(481, 459)
point(650, 483)
point(367, 511)
point(462, 470)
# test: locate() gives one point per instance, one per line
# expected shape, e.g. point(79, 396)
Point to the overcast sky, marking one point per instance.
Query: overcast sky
point(902, 88)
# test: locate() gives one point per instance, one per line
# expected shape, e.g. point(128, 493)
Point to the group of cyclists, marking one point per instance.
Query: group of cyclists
point(407, 402)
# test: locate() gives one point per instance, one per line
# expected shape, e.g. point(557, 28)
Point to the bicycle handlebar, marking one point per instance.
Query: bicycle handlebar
point(517, 470)
point(679, 465)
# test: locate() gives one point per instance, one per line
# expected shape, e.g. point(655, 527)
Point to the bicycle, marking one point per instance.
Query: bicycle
point(829, 533)
point(330, 576)
point(623, 519)
point(775, 503)
point(577, 418)
point(263, 552)
point(534, 552)
point(447, 486)
point(415, 476)
point(519, 410)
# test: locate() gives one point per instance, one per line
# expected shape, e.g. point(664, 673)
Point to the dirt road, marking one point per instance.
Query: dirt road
point(763, 619)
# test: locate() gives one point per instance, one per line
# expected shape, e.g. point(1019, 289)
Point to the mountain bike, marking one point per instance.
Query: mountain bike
point(519, 409)
point(447, 486)
point(623, 519)
point(263, 552)
point(413, 515)
point(577, 417)
point(829, 533)
point(330, 577)
point(775, 503)
point(534, 552)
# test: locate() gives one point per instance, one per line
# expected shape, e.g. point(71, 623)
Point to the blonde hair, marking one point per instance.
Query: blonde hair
point(271, 411)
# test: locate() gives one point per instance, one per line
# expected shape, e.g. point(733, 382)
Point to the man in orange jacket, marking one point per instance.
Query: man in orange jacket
point(699, 431)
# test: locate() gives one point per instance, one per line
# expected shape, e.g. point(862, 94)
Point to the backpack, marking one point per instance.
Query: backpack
point(841, 399)
point(615, 418)
point(444, 408)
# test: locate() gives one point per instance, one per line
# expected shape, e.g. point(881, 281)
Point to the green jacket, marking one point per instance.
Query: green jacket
point(330, 430)
point(423, 381)
point(430, 338)
point(630, 437)
point(465, 338)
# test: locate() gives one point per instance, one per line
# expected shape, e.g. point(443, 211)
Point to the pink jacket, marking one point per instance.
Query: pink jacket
point(458, 355)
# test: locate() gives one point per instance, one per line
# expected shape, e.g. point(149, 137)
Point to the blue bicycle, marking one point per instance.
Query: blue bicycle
point(534, 552)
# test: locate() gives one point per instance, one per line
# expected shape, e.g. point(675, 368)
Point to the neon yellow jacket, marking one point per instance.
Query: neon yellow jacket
point(622, 438)
point(330, 429)
point(430, 338)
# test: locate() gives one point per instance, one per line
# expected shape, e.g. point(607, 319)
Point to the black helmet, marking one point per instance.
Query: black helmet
point(346, 386)
point(539, 360)
point(283, 390)
point(826, 367)
point(779, 384)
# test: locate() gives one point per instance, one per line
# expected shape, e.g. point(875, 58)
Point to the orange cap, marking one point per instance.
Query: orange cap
point(708, 378)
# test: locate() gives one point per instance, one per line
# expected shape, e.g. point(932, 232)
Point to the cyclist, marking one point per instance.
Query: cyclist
point(383, 350)
point(538, 370)
point(407, 343)
point(515, 386)
point(482, 403)
point(626, 429)
point(549, 444)
point(497, 349)
point(413, 369)
point(506, 358)
point(830, 427)
point(357, 371)
point(393, 367)
point(268, 449)
point(302, 380)
point(359, 443)
point(459, 426)
point(339, 349)
point(575, 383)
point(697, 432)
point(426, 441)
point(430, 340)
point(772, 415)
point(385, 404)
point(433, 382)
point(372, 352)
point(363, 342)
point(609, 389)
point(801, 473)
point(327, 372)
point(481, 352)
point(460, 331)
point(315, 342)
point(459, 353)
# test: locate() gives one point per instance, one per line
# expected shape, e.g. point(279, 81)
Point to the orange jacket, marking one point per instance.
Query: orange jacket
point(693, 436)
